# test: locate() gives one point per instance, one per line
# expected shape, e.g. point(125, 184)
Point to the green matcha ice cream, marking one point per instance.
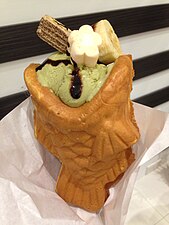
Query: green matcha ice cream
point(73, 84)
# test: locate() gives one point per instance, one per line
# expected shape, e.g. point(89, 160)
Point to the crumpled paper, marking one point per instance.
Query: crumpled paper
point(28, 173)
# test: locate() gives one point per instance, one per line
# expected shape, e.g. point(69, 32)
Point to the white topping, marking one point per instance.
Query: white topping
point(84, 45)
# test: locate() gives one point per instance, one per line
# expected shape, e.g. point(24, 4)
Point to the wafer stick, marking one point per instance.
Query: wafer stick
point(54, 33)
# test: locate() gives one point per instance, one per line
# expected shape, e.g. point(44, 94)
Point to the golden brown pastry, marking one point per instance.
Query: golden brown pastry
point(93, 142)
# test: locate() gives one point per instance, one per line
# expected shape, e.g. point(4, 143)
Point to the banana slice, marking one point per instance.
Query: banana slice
point(110, 48)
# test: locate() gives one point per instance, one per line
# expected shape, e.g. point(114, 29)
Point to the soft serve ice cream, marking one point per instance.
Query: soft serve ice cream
point(74, 84)
point(77, 77)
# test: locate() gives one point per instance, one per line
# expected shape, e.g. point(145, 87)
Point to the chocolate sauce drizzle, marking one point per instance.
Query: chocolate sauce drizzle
point(76, 83)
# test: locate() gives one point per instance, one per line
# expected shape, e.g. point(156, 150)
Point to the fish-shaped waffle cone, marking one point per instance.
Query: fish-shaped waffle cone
point(93, 142)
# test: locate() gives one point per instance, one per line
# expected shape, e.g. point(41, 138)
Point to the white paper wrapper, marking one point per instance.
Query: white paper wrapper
point(28, 173)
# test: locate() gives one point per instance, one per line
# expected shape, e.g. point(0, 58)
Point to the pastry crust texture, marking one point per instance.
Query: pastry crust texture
point(93, 142)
